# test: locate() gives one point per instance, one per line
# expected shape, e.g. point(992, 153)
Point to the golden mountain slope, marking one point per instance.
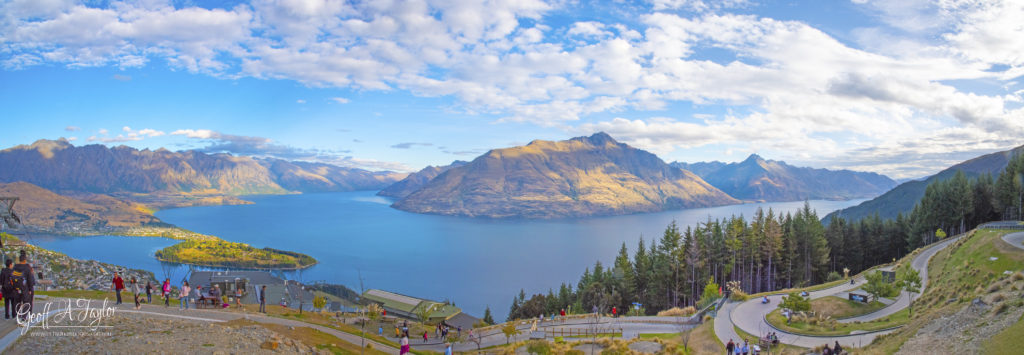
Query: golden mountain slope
point(39, 207)
point(583, 176)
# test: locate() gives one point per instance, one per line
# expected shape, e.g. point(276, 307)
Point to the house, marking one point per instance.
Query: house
point(410, 307)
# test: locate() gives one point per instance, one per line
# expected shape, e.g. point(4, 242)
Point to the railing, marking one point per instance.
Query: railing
point(1002, 225)
point(582, 332)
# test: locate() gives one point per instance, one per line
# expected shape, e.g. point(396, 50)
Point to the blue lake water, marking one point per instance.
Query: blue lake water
point(473, 262)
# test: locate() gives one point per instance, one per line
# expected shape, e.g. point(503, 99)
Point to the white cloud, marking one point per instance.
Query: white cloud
point(72, 128)
point(300, 101)
point(340, 100)
point(781, 83)
point(103, 131)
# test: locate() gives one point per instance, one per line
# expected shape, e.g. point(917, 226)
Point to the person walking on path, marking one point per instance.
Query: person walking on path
point(118, 286)
point(729, 347)
point(263, 299)
point(149, 292)
point(184, 296)
point(24, 279)
point(136, 292)
point(405, 345)
point(167, 292)
point(837, 349)
point(8, 288)
point(238, 297)
point(615, 312)
point(424, 337)
point(380, 330)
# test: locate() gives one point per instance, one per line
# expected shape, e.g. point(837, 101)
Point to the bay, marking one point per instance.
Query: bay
point(363, 243)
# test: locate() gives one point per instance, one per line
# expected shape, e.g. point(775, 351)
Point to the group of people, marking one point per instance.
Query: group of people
point(117, 284)
point(837, 350)
point(186, 294)
point(18, 287)
point(732, 348)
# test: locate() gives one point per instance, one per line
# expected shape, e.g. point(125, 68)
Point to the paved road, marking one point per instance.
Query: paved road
point(1015, 239)
point(749, 315)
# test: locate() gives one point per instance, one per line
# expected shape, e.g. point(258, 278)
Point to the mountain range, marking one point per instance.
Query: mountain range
point(757, 179)
point(417, 180)
point(902, 198)
point(162, 178)
point(583, 176)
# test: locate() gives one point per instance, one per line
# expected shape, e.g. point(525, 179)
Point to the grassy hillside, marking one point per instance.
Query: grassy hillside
point(970, 301)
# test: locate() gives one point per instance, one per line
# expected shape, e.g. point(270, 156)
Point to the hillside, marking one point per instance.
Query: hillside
point(163, 178)
point(757, 179)
point(417, 180)
point(902, 198)
point(973, 303)
point(45, 209)
point(583, 176)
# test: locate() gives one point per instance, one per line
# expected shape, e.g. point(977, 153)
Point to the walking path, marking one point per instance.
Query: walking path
point(750, 315)
point(1015, 239)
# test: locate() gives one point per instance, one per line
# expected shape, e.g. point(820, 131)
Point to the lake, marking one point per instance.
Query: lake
point(473, 262)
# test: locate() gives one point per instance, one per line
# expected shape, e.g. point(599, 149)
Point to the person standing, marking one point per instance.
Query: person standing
point(826, 350)
point(149, 292)
point(24, 280)
point(615, 312)
point(380, 330)
point(184, 296)
point(729, 347)
point(8, 288)
point(167, 292)
point(198, 294)
point(837, 349)
point(424, 337)
point(136, 292)
point(447, 348)
point(263, 299)
point(746, 347)
point(118, 286)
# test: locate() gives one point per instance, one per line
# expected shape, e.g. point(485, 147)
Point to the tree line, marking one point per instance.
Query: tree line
point(773, 251)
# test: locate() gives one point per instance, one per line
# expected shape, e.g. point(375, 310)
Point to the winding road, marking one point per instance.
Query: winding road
point(749, 316)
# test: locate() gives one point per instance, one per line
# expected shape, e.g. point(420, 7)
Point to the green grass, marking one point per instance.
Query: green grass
point(1009, 341)
point(836, 307)
point(221, 253)
point(779, 321)
point(964, 271)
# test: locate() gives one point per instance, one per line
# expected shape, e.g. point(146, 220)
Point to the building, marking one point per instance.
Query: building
point(409, 307)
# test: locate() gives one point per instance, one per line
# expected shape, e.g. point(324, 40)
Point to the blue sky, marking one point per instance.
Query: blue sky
point(901, 88)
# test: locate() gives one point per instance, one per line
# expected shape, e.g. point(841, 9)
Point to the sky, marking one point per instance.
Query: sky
point(903, 88)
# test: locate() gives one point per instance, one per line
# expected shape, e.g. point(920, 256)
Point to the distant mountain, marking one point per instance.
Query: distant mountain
point(42, 208)
point(320, 177)
point(757, 179)
point(417, 180)
point(166, 178)
point(583, 176)
point(902, 198)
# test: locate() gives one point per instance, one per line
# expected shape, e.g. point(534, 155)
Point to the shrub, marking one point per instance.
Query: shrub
point(1017, 276)
point(538, 347)
point(1000, 308)
point(833, 276)
point(993, 288)
point(998, 298)
point(677, 312)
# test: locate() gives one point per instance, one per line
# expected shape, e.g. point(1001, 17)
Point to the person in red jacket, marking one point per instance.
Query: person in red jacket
point(118, 286)
point(615, 312)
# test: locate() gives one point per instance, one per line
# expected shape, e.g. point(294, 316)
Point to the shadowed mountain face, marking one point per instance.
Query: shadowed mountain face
point(583, 176)
point(757, 179)
point(39, 207)
point(127, 172)
point(902, 198)
point(417, 180)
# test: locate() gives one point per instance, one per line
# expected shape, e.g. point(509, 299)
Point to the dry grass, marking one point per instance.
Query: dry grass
point(308, 336)
point(677, 312)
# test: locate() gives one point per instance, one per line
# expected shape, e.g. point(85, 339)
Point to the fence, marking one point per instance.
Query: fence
point(1002, 225)
point(582, 332)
